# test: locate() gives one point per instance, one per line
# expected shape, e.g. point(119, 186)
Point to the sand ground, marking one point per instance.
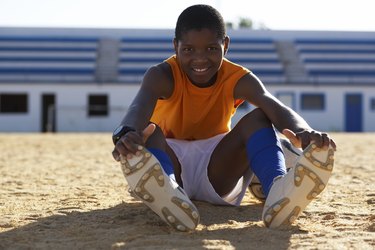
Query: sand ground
point(64, 191)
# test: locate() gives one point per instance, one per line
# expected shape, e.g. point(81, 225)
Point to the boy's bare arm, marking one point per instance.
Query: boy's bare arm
point(282, 117)
point(157, 84)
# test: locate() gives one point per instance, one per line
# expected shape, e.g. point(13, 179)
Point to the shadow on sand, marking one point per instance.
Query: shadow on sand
point(134, 226)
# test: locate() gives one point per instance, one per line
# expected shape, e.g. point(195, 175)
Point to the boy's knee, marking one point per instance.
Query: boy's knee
point(158, 130)
point(157, 138)
point(252, 122)
point(257, 116)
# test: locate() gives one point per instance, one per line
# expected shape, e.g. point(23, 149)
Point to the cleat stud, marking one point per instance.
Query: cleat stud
point(307, 155)
point(157, 167)
point(138, 189)
point(321, 186)
point(161, 177)
point(313, 146)
point(146, 197)
point(331, 157)
point(130, 190)
point(329, 167)
point(314, 194)
point(268, 218)
point(276, 208)
point(148, 155)
point(297, 179)
point(185, 205)
point(292, 219)
point(127, 171)
point(195, 215)
point(171, 219)
point(300, 168)
point(181, 228)
point(316, 163)
point(145, 176)
point(312, 175)
point(139, 165)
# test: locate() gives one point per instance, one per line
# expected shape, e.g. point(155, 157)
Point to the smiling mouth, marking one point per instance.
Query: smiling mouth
point(200, 70)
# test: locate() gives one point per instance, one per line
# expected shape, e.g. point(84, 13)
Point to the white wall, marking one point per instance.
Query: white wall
point(28, 122)
point(332, 118)
point(71, 102)
point(71, 107)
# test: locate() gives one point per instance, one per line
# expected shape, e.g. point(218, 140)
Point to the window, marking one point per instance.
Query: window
point(287, 98)
point(313, 102)
point(98, 105)
point(13, 103)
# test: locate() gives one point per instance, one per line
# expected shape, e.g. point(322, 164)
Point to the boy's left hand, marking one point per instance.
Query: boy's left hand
point(304, 138)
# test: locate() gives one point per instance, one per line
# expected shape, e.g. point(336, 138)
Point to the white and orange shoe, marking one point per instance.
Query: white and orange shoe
point(291, 193)
point(149, 183)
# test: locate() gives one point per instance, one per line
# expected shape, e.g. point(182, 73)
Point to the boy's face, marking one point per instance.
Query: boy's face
point(200, 54)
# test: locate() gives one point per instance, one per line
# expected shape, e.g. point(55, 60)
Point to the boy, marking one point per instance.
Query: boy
point(175, 142)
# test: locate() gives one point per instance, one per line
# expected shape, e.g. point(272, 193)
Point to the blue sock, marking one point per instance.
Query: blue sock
point(164, 160)
point(266, 157)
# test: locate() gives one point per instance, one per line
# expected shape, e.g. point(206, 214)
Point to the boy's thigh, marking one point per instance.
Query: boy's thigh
point(228, 163)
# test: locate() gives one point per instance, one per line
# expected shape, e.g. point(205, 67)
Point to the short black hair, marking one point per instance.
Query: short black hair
point(198, 17)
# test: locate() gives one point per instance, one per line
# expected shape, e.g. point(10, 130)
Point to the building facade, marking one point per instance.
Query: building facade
point(83, 80)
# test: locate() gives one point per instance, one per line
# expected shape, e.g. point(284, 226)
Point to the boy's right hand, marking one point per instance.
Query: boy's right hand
point(133, 141)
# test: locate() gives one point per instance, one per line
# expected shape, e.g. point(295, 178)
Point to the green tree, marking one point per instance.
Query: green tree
point(246, 23)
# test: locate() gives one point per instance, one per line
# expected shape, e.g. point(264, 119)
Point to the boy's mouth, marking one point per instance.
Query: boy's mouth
point(200, 70)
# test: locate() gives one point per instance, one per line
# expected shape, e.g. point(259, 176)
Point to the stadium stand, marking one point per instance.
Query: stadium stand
point(47, 59)
point(338, 60)
point(138, 54)
point(260, 56)
point(125, 58)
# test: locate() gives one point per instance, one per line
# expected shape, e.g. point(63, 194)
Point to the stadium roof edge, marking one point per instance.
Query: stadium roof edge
point(120, 33)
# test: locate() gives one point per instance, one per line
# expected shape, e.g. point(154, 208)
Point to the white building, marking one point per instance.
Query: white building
point(83, 80)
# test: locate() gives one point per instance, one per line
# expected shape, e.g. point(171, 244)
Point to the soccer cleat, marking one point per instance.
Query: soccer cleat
point(290, 153)
point(256, 189)
point(290, 194)
point(149, 183)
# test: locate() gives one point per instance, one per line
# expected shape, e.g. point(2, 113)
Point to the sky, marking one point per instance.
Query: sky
point(333, 15)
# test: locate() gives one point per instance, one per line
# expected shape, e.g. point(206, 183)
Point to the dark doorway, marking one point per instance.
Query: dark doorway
point(48, 113)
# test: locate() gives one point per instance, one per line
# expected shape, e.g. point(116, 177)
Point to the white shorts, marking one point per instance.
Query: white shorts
point(194, 157)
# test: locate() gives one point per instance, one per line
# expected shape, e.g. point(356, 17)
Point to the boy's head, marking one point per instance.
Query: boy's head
point(198, 17)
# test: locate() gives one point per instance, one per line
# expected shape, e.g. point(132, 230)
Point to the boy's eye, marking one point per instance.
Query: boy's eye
point(212, 48)
point(187, 49)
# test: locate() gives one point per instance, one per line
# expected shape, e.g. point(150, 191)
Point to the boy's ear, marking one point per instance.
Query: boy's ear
point(175, 45)
point(226, 44)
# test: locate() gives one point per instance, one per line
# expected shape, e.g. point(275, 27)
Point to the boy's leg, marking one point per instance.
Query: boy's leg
point(151, 178)
point(290, 154)
point(230, 160)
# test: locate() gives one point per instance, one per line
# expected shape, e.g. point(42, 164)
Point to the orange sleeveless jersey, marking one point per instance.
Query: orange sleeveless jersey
point(194, 113)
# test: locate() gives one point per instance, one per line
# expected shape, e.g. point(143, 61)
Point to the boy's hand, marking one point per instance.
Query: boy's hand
point(304, 138)
point(133, 141)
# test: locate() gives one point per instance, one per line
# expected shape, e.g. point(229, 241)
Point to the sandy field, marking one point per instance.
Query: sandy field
point(65, 191)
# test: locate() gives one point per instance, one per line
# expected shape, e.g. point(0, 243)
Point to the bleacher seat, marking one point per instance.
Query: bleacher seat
point(47, 59)
point(138, 54)
point(338, 61)
point(258, 55)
